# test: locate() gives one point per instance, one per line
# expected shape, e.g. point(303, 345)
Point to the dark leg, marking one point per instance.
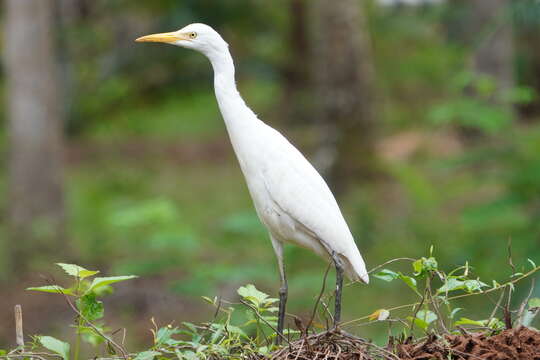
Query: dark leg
point(282, 305)
point(339, 288)
point(283, 290)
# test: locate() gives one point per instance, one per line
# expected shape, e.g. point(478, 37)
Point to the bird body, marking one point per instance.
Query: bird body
point(294, 202)
point(291, 198)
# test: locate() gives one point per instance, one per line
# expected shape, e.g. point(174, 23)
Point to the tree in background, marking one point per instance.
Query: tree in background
point(494, 53)
point(344, 76)
point(36, 199)
point(487, 90)
point(526, 15)
point(485, 27)
point(296, 75)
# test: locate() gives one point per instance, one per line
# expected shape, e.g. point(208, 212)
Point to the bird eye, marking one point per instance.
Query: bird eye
point(192, 35)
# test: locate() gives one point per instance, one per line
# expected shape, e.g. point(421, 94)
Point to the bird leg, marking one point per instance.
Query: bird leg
point(283, 290)
point(339, 287)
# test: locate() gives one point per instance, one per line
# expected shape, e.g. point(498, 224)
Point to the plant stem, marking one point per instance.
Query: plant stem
point(501, 287)
point(118, 347)
point(78, 339)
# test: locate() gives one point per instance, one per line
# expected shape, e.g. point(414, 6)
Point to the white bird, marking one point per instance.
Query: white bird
point(291, 198)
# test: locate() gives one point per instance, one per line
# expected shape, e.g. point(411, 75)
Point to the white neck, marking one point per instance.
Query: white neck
point(236, 114)
point(222, 63)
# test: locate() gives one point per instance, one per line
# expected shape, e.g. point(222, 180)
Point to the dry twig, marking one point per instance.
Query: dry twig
point(19, 335)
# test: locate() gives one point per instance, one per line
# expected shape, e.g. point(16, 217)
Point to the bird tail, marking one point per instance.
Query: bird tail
point(355, 268)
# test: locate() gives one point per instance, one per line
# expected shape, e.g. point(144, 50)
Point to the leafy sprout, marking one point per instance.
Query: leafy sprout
point(230, 335)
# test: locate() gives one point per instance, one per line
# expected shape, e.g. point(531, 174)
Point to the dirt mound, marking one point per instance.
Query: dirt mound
point(331, 345)
point(513, 344)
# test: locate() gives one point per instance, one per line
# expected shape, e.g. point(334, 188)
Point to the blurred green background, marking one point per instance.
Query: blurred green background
point(437, 144)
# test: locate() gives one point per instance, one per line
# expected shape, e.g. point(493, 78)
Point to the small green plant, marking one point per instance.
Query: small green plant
point(82, 296)
point(261, 311)
point(233, 334)
point(438, 292)
point(221, 338)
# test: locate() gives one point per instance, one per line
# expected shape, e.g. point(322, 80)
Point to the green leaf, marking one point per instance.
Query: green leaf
point(454, 312)
point(495, 324)
point(430, 264)
point(147, 355)
point(418, 267)
point(534, 303)
point(102, 281)
point(270, 318)
point(164, 335)
point(55, 289)
point(218, 331)
point(424, 265)
point(89, 307)
point(230, 329)
point(451, 284)
point(474, 285)
point(466, 321)
point(251, 294)
point(411, 282)
point(76, 270)
point(187, 355)
point(190, 326)
point(427, 316)
point(90, 335)
point(208, 300)
point(59, 347)
point(102, 290)
point(236, 330)
point(386, 275)
point(418, 322)
point(532, 263)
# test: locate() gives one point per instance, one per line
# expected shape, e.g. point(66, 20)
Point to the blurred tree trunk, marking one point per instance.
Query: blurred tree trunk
point(494, 53)
point(296, 76)
point(36, 200)
point(344, 76)
point(527, 48)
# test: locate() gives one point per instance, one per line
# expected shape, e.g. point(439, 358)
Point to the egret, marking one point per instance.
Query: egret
point(291, 198)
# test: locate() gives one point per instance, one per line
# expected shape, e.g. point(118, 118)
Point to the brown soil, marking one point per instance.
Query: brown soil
point(329, 345)
point(513, 344)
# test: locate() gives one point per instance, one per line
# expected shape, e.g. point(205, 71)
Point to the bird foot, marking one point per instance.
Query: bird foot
point(335, 329)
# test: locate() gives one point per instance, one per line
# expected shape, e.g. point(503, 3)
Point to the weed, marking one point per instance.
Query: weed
point(433, 316)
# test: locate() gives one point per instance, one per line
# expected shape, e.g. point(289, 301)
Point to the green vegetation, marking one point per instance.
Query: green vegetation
point(153, 188)
point(247, 329)
point(85, 303)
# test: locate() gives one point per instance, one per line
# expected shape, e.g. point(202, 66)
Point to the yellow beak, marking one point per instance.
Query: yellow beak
point(169, 37)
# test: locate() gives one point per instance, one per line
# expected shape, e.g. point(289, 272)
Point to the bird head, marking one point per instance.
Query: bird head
point(198, 37)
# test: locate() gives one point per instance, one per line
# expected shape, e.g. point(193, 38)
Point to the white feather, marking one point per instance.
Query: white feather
point(291, 198)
